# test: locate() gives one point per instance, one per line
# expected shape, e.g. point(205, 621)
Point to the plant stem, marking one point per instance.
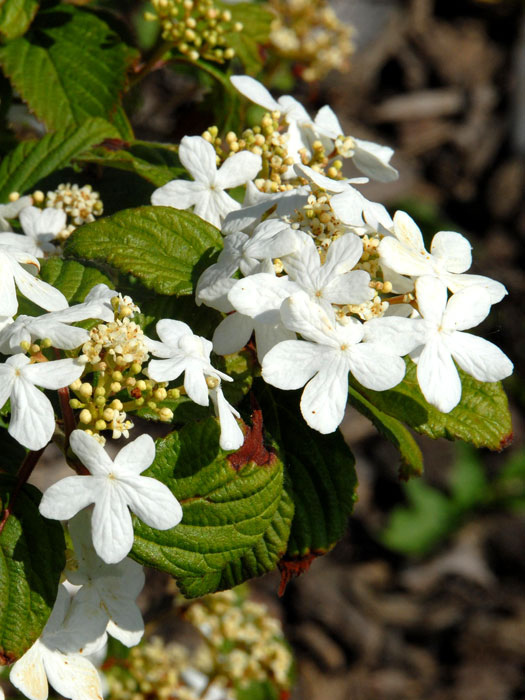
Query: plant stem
point(23, 475)
point(152, 63)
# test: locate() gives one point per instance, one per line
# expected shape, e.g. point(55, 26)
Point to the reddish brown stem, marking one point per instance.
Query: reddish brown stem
point(24, 473)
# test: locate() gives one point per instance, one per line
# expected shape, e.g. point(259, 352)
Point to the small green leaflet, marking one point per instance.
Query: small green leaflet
point(165, 248)
point(31, 561)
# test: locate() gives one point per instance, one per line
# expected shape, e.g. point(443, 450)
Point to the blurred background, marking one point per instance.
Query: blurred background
point(424, 598)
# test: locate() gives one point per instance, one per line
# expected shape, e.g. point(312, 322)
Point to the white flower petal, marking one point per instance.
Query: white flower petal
point(232, 436)
point(292, 363)
point(111, 524)
point(151, 501)
point(40, 292)
point(32, 416)
point(408, 232)
point(29, 676)
point(195, 383)
point(431, 296)
point(351, 288)
point(302, 315)
point(91, 453)
point(325, 396)
point(399, 335)
point(403, 260)
point(453, 250)
point(479, 358)
point(54, 374)
point(375, 368)
point(372, 160)
point(495, 289)
point(8, 300)
point(255, 91)
point(232, 333)
point(73, 676)
point(199, 158)
point(136, 456)
point(180, 194)
point(438, 377)
point(67, 497)
point(238, 169)
point(466, 309)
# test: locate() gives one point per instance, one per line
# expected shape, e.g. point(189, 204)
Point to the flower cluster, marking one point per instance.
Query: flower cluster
point(310, 33)
point(241, 642)
point(326, 280)
point(81, 205)
point(197, 28)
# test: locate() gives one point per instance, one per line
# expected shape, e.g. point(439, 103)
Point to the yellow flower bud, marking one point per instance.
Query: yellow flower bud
point(100, 425)
point(85, 416)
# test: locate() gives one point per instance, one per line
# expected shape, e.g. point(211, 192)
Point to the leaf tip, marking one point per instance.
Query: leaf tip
point(291, 568)
point(505, 441)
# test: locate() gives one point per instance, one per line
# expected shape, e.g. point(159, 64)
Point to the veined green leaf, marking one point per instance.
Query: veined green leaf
point(31, 561)
point(482, 417)
point(393, 430)
point(226, 511)
point(32, 161)
point(70, 66)
point(165, 248)
point(16, 16)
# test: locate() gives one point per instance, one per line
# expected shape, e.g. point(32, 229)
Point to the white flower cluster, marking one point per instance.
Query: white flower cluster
point(327, 281)
point(102, 368)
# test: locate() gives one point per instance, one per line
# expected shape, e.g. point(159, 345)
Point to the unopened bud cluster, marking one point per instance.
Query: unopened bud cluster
point(270, 140)
point(310, 33)
point(115, 353)
point(81, 204)
point(197, 28)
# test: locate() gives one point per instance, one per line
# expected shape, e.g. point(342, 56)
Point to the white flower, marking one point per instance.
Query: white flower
point(323, 362)
point(232, 436)
point(184, 352)
point(55, 326)
point(42, 226)
point(107, 592)
point(113, 487)
point(12, 210)
point(102, 294)
point(370, 158)
point(444, 341)
point(206, 194)
point(55, 658)
point(13, 275)
point(450, 256)
point(334, 282)
point(32, 421)
point(257, 299)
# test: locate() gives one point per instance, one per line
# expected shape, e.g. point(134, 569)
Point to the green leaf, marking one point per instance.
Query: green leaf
point(267, 551)
point(256, 690)
point(257, 21)
point(165, 248)
point(12, 453)
point(482, 417)
point(31, 561)
point(71, 278)
point(32, 161)
point(156, 163)
point(321, 474)
point(16, 16)
point(70, 66)
point(393, 430)
point(226, 512)
point(429, 517)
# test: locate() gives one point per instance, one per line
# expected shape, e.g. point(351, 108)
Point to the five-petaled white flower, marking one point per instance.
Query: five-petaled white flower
point(32, 421)
point(113, 487)
point(450, 256)
point(206, 194)
point(324, 359)
point(55, 657)
point(106, 594)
